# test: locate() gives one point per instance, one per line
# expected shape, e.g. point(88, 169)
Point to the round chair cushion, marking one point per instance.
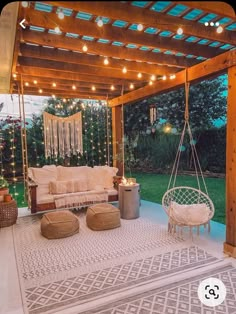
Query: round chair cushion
point(59, 224)
point(103, 216)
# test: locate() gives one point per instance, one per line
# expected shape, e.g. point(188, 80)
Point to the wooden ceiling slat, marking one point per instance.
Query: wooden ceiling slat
point(201, 71)
point(85, 59)
point(104, 50)
point(88, 28)
point(151, 18)
point(48, 73)
point(80, 69)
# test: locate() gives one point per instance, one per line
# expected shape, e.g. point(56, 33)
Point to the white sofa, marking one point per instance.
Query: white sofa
point(52, 187)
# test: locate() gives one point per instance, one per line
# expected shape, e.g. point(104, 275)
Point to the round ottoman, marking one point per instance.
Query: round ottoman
point(103, 216)
point(59, 224)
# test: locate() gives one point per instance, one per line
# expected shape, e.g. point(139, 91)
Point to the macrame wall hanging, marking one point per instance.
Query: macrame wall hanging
point(62, 136)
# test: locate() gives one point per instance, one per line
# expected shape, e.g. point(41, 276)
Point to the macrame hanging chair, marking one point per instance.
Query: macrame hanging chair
point(187, 206)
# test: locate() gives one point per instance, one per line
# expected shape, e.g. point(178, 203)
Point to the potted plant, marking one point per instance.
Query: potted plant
point(3, 187)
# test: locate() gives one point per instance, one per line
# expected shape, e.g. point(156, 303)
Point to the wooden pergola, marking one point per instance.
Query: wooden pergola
point(102, 50)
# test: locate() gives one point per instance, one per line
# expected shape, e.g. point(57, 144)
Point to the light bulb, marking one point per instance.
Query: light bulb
point(85, 48)
point(57, 29)
point(73, 87)
point(124, 70)
point(100, 22)
point(35, 82)
point(24, 4)
point(217, 24)
point(140, 27)
point(14, 75)
point(131, 86)
point(219, 29)
point(93, 88)
point(61, 15)
point(54, 84)
point(139, 75)
point(180, 31)
point(40, 91)
point(172, 76)
point(153, 77)
point(112, 87)
point(26, 84)
point(106, 61)
point(212, 23)
point(206, 23)
point(150, 83)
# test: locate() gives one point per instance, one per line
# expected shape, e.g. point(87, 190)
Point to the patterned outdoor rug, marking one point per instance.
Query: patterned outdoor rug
point(92, 266)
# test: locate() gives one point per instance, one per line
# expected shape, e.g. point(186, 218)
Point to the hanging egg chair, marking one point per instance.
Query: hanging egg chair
point(187, 206)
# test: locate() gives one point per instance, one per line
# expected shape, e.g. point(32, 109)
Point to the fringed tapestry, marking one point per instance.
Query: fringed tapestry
point(62, 136)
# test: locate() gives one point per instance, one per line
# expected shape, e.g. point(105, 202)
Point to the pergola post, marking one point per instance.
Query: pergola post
point(230, 244)
point(117, 136)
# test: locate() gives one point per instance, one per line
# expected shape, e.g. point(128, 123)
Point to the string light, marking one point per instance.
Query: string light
point(172, 76)
point(93, 88)
point(53, 96)
point(212, 23)
point(139, 75)
point(131, 86)
point(57, 30)
point(26, 84)
point(140, 27)
point(73, 87)
point(180, 31)
point(112, 87)
point(35, 82)
point(25, 4)
point(153, 77)
point(14, 75)
point(54, 84)
point(219, 29)
point(106, 61)
point(85, 48)
point(61, 15)
point(164, 77)
point(40, 91)
point(150, 82)
point(100, 22)
point(124, 70)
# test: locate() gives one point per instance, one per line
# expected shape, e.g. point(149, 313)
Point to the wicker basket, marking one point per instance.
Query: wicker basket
point(8, 213)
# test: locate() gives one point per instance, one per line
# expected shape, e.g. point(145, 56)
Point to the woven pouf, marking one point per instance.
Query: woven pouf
point(103, 216)
point(60, 224)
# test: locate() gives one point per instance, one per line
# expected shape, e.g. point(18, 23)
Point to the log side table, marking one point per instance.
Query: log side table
point(8, 213)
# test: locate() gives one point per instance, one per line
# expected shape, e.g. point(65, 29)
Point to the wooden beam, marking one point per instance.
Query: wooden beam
point(109, 32)
point(204, 70)
point(98, 61)
point(230, 244)
point(217, 7)
point(117, 136)
point(76, 44)
point(132, 14)
point(81, 69)
point(47, 73)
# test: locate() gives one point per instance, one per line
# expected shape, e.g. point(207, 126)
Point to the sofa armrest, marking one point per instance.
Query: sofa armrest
point(32, 195)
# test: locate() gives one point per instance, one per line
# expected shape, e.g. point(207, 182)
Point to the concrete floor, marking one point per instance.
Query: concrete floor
point(10, 296)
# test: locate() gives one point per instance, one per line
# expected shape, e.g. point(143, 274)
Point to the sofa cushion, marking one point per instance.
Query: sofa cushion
point(45, 174)
point(72, 173)
point(70, 186)
point(102, 176)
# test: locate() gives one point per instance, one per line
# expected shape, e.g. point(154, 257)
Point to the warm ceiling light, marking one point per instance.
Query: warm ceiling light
point(40, 91)
point(164, 77)
point(100, 22)
point(219, 29)
point(57, 30)
point(217, 24)
point(85, 48)
point(54, 84)
point(206, 23)
point(14, 75)
point(53, 96)
point(61, 15)
point(124, 70)
point(212, 23)
point(73, 87)
point(180, 31)
point(26, 84)
point(153, 77)
point(140, 27)
point(150, 82)
point(139, 75)
point(35, 82)
point(172, 76)
point(24, 4)
point(106, 61)
point(112, 87)
point(131, 86)
point(93, 88)
point(64, 100)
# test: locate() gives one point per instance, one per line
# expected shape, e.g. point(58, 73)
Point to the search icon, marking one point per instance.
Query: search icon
point(212, 292)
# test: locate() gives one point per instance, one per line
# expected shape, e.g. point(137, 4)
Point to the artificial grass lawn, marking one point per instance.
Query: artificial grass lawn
point(153, 187)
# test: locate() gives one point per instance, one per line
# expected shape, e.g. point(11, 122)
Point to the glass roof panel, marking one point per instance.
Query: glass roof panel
point(38, 29)
point(215, 44)
point(165, 33)
point(192, 39)
point(67, 12)
point(192, 14)
point(203, 41)
point(52, 31)
point(103, 41)
point(179, 54)
point(83, 16)
point(168, 52)
point(104, 19)
point(117, 43)
point(89, 38)
point(207, 18)
point(231, 27)
point(177, 10)
point(72, 35)
point(226, 46)
point(43, 7)
point(140, 4)
point(225, 20)
point(156, 50)
point(151, 30)
point(145, 48)
point(133, 27)
point(131, 46)
point(178, 36)
point(159, 6)
point(120, 23)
